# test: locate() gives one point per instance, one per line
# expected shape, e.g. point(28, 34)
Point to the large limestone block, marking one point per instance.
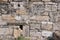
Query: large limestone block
point(40, 18)
point(50, 3)
point(3, 23)
point(44, 13)
point(8, 18)
point(21, 12)
point(46, 0)
point(17, 33)
point(35, 26)
point(55, 0)
point(37, 8)
point(35, 0)
point(57, 33)
point(37, 36)
point(46, 26)
point(5, 31)
point(25, 31)
point(3, 0)
point(47, 33)
point(54, 7)
point(59, 6)
point(48, 7)
point(56, 27)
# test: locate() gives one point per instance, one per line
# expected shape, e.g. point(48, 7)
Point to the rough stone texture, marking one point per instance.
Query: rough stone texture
point(46, 26)
point(32, 16)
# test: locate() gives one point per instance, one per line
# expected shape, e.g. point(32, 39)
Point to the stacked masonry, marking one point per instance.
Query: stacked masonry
point(40, 19)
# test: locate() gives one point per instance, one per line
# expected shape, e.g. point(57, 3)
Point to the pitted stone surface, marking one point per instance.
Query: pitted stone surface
point(36, 17)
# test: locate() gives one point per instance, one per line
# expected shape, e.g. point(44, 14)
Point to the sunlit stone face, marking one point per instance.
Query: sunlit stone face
point(18, 18)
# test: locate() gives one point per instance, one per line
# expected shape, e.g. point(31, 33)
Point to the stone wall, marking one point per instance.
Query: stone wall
point(40, 18)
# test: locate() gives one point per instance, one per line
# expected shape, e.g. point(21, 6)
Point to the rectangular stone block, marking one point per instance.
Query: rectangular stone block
point(3, 23)
point(35, 26)
point(37, 8)
point(44, 13)
point(46, 0)
point(56, 27)
point(7, 17)
point(21, 12)
point(34, 0)
point(46, 26)
point(48, 7)
point(26, 31)
point(47, 33)
point(40, 18)
point(54, 7)
point(37, 36)
point(59, 6)
point(5, 31)
point(50, 3)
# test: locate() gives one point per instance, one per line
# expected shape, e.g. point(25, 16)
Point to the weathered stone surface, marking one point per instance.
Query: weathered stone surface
point(21, 12)
point(34, 0)
point(37, 8)
point(17, 33)
point(5, 31)
point(46, 26)
point(58, 6)
point(57, 33)
point(35, 26)
point(48, 7)
point(55, 1)
point(44, 13)
point(26, 31)
point(56, 27)
point(40, 18)
point(46, 0)
point(54, 7)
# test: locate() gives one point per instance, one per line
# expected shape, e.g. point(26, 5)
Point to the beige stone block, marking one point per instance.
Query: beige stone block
point(42, 18)
point(57, 33)
point(56, 27)
point(46, 0)
point(17, 33)
point(50, 3)
point(8, 18)
point(35, 0)
point(46, 26)
point(45, 13)
point(3, 0)
point(48, 7)
point(21, 12)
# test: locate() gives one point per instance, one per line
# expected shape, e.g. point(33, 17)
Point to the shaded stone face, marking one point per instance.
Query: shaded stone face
point(36, 19)
point(37, 8)
point(55, 0)
point(35, 0)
